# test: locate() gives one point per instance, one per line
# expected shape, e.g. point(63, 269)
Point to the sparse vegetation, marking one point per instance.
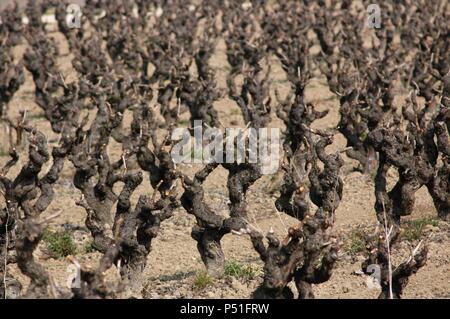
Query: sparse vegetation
point(89, 247)
point(202, 280)
point(356, 243)
point(3, 153)
point(60, 244)
point(240, 271)
point(184, 122)
point(413, 230)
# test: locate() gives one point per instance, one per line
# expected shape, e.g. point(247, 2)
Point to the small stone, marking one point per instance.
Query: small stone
point(210, 294)
point(237, 285)
point(431, 228)
point(443, 224)
point(177, 295)
point(80, 237)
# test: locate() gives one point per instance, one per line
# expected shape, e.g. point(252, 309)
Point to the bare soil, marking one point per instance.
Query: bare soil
point(174, 261)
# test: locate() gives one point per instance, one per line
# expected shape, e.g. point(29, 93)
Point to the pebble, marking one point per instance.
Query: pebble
point(210, 294)
point(177, 294)
point(237, 285)
point(431, 228)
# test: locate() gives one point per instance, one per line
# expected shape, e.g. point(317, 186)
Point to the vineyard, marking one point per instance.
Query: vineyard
point(93, 203)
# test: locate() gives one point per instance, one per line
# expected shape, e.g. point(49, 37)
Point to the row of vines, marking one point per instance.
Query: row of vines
point(113, 51)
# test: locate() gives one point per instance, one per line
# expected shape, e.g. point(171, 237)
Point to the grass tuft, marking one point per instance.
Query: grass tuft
point(3, 153)
point(202, 280)
point(237, 270)
point(357, 243)
point(60, 244)
point(89, 248)
point(413, 230)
